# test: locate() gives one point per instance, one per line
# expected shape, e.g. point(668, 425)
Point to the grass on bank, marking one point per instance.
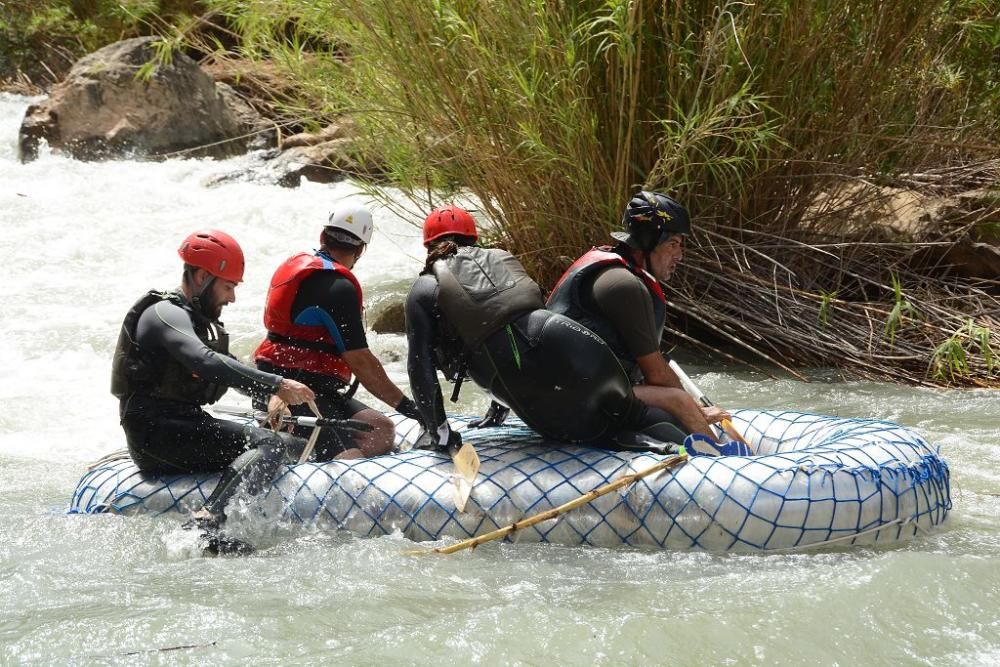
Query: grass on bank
point(785, 126)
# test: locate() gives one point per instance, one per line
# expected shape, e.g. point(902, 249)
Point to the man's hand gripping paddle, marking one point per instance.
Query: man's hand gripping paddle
point(698, 395)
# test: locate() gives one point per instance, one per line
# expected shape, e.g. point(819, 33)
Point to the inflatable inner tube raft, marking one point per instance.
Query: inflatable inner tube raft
point(815, 480)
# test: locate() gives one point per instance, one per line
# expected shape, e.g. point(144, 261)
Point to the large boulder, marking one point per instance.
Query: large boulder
point(105, 109)
point(975, 260)
point(391, 318)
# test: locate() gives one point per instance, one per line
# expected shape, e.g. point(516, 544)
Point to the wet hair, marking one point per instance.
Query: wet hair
point(445, 246)
point(629, 251)
point(188, 276)
point(340, 241)
point(336, 239)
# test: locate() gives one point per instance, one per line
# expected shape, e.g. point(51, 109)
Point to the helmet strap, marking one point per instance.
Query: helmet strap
point(647, 251)
point(197, 300)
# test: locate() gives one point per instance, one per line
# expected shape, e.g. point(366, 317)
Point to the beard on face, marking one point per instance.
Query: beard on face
point(214, 311)
point(210, 305)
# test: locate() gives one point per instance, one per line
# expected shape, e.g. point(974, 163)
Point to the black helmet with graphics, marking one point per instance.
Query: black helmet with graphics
point(651, 218)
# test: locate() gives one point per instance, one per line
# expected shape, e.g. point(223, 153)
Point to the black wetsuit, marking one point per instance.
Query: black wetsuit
point(164, 371)
point(556, 375)
point(624, 305)
point(336, 296)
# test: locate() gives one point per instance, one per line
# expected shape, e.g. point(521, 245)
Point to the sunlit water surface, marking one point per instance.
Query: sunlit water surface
point(80, 242)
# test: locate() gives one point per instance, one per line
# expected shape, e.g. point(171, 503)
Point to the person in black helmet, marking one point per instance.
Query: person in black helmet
point(616, 293)
point(475, 312)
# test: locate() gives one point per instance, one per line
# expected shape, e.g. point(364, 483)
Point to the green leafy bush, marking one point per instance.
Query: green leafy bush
point(41, 39)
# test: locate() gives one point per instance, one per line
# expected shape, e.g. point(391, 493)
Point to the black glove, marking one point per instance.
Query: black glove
point(495, 416)
point(408, 408)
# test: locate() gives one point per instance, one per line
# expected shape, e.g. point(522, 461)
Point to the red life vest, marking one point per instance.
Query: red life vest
point(311, 343)
point(566, 298)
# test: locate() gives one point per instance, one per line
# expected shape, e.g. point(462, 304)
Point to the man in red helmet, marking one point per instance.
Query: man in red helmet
point(474, 311)
point(316, 334)
point(172, 357)
point(616, 293)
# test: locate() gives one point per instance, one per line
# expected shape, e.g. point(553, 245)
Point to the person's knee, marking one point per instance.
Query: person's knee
point(266, 452)
point(384, 435)
point(665, 398)
point(665, 432)
point(381, 438)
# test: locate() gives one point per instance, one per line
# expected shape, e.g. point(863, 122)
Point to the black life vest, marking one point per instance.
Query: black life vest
point(155, 373)
point(480, 291)
point(567, 299)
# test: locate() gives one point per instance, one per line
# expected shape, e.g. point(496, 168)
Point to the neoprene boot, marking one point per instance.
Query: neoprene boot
point(213, 542)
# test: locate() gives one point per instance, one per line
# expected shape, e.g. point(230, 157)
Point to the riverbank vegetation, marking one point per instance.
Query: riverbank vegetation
point(840, 158)
point(41, 39)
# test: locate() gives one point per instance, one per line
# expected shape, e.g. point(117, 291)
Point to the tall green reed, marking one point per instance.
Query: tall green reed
point(551, 113)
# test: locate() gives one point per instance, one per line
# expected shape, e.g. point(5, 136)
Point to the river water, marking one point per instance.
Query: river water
point(80, 242)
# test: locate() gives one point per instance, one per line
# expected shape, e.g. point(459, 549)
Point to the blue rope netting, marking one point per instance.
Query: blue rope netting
point(815, 480)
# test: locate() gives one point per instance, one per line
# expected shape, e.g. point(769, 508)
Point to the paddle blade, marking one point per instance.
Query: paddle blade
point(466, 461)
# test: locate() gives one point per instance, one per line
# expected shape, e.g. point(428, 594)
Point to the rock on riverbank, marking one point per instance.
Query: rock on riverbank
point(112, 104)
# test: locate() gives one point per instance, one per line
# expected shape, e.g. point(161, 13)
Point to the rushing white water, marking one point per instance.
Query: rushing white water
point(80, 242)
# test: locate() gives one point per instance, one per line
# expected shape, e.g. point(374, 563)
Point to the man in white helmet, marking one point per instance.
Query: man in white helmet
point(315, 334)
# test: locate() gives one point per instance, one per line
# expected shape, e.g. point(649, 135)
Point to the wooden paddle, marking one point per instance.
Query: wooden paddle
point(466, 461)
point(693, 389)
point(313, 436)
point(625, 480)
point(262, 418)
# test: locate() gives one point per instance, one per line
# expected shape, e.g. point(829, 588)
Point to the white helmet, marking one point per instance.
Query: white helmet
point(355, 220)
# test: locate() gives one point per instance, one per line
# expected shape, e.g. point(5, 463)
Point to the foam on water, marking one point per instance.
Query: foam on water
point(80, 242)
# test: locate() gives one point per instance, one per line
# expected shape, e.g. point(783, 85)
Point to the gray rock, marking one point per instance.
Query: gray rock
point(970, 259)
point(390, 319)
point(325, 162)
point(260, 133)
point(103, 109)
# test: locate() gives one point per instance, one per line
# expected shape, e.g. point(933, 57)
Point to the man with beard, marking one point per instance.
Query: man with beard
point(172, 357)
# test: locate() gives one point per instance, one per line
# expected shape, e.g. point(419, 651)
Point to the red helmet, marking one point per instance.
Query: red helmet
point(216, 252)
point(448, 220)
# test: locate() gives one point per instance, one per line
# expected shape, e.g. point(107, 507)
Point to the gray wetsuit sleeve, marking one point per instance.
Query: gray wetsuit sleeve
point(421, 328)
point(624, 300)
point(167, 326)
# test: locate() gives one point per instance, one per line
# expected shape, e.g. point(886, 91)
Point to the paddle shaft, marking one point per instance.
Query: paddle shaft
point(689, 385)
point(698, 395)
point(623, 481)
point(349, 424)
point(308, 422)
